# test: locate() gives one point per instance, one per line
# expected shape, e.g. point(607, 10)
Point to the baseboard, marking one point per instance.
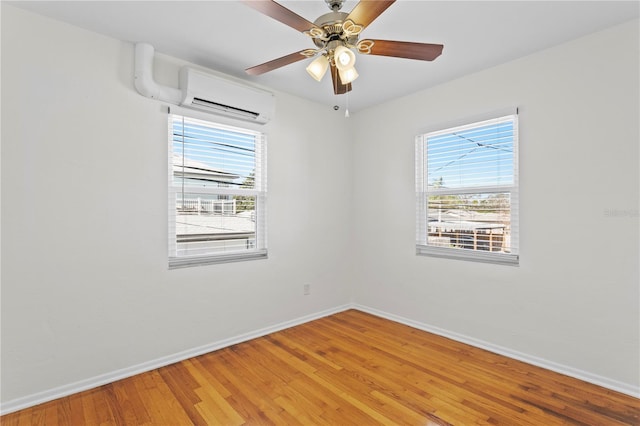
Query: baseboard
point(94, 382)
point(586, 376)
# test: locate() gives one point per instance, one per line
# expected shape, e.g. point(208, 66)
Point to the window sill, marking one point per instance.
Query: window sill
point(189, 261)
point(469, 255)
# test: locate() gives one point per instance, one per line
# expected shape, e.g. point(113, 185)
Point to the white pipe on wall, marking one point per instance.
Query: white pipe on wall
point(143, 77)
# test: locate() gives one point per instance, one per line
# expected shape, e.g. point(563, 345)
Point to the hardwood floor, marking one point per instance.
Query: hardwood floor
point(347, 369)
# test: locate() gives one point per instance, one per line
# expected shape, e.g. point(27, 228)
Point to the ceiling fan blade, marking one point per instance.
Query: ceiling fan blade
point(338, 87)
point(280, 13)
point(276, 63)
point(403, 49)
point(367, 11)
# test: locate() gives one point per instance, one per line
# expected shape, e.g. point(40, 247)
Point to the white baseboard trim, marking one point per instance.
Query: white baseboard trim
point(103, 379)
point(595, 379)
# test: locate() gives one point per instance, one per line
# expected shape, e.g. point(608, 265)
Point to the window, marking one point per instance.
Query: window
point(217, 193)
point(467, 191)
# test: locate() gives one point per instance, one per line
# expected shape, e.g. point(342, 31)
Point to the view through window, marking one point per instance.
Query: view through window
point(467, 189)
point(217, 192)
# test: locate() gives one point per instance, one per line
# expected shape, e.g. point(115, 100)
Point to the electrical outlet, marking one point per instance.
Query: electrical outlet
point(306, 289)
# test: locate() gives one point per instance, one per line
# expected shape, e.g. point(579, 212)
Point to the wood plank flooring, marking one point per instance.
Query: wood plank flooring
point(347, 369)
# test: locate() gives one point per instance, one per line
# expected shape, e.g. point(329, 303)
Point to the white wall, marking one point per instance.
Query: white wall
point(574, 299)
point(85, 284)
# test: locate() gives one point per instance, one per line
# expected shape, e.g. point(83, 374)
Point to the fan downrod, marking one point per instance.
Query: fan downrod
point(334, 5)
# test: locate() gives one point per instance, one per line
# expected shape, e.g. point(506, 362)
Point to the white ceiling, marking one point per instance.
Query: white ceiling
point(228, 36)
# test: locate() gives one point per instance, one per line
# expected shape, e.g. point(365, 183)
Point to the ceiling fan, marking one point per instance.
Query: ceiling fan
point(336, 36)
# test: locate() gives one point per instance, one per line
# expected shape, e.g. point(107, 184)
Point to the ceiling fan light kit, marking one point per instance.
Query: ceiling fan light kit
point(335, 35)
point(318, 68)
point(344, 58)
point(348, 75)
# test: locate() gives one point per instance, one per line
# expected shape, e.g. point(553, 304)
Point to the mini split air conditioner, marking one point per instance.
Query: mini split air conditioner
point(217, 95)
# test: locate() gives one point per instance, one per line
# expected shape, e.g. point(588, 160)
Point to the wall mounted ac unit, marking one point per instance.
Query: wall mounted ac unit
point(217, 95)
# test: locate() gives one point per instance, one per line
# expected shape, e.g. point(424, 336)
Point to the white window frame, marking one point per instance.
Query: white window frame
point(259, 251)
point(423, 192)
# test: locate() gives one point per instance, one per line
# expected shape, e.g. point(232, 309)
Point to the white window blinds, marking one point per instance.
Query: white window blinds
point(467, 191)
point(217, 193)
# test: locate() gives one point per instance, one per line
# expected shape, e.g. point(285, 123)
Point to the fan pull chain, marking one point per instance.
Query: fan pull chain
point(346, 110)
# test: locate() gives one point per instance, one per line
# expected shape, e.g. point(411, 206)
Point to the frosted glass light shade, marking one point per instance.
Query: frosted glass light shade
point(344, 58)
point(318, 68)
point(348, 75)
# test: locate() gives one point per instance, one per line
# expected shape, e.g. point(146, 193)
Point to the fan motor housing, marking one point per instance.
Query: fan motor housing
point(331, 23)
